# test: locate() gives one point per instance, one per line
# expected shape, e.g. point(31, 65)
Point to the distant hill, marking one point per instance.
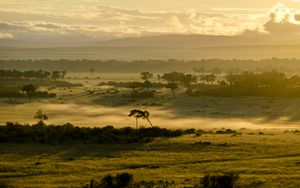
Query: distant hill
point(138, 53)
point(158, 47)
point(183, 41)
point(199, 41)
point(164, 41)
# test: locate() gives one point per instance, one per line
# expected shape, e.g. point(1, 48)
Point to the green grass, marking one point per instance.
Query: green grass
point(270, 160)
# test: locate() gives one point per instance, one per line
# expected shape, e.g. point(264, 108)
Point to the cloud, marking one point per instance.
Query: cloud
point(6, 36)
point(282, 21)
point(48, 26)
point(283, 27)
point(109, 22)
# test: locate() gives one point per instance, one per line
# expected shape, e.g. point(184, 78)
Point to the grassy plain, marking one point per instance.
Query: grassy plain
point(267, 159)
point(103, 107)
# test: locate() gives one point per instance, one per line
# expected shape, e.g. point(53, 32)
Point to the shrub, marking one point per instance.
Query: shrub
point(219, 181)
point(227, 131)
point(122, 180)
point(142, 94)
point(189, 131)
point(3, 185)
point(68, 133)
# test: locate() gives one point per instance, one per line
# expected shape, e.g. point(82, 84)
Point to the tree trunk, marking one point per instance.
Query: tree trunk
point(136, 124)
point(173, 93)
point(150, 122)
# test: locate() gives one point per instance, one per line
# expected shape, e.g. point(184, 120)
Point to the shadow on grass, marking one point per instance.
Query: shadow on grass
point(67, 152)
point(263, 109)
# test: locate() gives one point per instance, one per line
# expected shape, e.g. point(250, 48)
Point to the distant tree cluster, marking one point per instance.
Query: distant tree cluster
point(207, 66)
point(142, 89)
point(30, 91)
point(244, 83)
point(247, 83)
point(27, 90)
point(132, 85)
point(31, 74)
point(271, 79)
point(174, 79)
point(68, 133)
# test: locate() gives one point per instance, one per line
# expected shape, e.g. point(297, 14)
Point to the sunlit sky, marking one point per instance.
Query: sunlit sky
point(153, 5)
point(96, 20)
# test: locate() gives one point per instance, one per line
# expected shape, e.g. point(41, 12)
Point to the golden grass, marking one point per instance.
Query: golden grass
point(271, 160)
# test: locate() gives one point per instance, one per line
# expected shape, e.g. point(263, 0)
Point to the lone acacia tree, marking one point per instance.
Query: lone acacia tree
point(29, 90)
point(41, 117)
point(140, 114)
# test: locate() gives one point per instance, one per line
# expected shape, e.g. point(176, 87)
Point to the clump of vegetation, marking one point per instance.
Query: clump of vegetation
point(68, 133)
point(126, 180)
point(248, 83)
point(228, 131)
point(131, 84)
point(30, 91)
point(154, 184)
point(190, 131)
point(141, 93)
point(3, 185)
point(32, 74)
point(122, 180)
point(219, 181)
point(27, 90)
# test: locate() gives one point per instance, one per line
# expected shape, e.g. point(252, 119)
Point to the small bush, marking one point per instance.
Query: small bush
point(189, 131)
point(122, 180)
point(227, 131)
point(3, 185)
point(142, 94)
point(219, 181)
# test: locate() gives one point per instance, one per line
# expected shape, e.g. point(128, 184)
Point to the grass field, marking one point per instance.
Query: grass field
point(271, 159)
point(179, 113)
point(267, 159)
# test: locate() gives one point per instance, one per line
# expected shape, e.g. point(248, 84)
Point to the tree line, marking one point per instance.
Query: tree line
point(246, 83)
point(70, 134)
point(156, 66)
point(32, 74)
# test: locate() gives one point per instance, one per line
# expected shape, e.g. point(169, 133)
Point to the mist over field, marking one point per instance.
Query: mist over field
point(150, 94)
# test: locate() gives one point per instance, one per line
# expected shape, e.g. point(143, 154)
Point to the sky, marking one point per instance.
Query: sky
point(98, 20)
